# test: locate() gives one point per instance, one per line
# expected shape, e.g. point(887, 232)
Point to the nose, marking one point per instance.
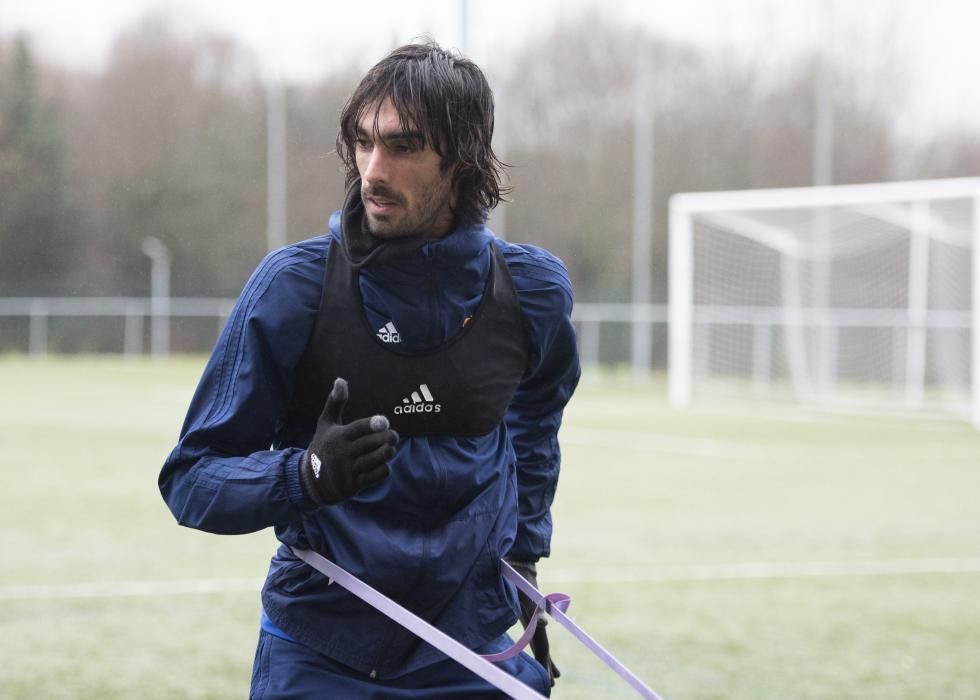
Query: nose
point(375, 166)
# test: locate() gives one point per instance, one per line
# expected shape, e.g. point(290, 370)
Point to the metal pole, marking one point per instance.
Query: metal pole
point(464, 27)
point(823, 174)
point(275, 164)
point(681, 323)
point(160, 260)
point(133, 330)
point(975, 313)
point(591, 334)
point(38, 340)
point(497, 217)
point(823, 118)
point(643, 122)
point(918, 305)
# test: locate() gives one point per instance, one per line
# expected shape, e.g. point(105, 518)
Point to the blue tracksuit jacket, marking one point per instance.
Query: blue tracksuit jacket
point(432, 534)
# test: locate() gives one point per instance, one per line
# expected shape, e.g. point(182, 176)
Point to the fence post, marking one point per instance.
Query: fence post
point(590, 340)
point(38, 340)
point(133, 329)
point(761, 356)
point(160, 258)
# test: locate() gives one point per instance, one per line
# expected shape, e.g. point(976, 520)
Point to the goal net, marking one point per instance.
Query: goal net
point(848, 296)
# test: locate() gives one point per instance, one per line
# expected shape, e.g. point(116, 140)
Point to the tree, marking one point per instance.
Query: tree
point(719, 124)
point(169, 142)
point(316, 183)
point(34, 229)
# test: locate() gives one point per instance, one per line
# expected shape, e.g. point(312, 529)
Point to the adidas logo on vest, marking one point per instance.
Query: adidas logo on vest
point(419, 404)
point(389, 334)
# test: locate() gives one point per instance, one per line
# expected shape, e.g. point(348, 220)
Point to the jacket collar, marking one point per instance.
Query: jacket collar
point(459, 248)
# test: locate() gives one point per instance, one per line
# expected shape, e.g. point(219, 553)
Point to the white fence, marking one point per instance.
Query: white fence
point(605, 330)
point(139, 314)
point(134, 311)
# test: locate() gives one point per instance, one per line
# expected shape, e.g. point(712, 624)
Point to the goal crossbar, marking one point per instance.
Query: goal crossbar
point(828, 195)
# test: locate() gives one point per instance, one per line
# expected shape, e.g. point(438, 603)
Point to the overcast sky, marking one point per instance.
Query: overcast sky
point(302, 40)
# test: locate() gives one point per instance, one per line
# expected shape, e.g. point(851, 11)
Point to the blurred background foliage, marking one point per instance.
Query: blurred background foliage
point(168, 139)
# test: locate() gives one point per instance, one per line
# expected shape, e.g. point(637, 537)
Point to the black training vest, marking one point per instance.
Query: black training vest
point(460, 388)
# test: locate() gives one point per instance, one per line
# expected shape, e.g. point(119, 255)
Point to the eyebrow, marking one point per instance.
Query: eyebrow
point(404, 135)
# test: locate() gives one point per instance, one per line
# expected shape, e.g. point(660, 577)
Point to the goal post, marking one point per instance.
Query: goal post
point(850, 295)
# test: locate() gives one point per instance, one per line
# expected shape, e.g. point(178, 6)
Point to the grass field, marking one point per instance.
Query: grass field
point(729, 551)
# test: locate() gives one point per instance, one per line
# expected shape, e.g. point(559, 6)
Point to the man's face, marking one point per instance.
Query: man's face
point(405, 192)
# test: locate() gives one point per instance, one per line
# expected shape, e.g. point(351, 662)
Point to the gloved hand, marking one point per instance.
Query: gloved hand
point(540, 646)
point(344, 459)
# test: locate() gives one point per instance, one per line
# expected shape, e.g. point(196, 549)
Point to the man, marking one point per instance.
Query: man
point(389, 396)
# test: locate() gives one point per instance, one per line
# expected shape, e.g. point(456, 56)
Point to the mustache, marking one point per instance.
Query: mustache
point(381, 191)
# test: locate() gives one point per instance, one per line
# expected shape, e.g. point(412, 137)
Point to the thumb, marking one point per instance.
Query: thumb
point(333, 411)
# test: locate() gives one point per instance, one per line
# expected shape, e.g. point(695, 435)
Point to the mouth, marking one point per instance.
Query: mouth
point(380, 205)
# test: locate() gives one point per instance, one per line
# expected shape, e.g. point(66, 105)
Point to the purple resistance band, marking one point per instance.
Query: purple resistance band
point(555, 604)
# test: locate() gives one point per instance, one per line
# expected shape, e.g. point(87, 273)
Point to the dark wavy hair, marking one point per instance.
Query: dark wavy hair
point(445, 97)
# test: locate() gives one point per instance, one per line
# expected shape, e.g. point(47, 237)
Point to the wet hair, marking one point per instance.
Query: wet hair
point(445, 98)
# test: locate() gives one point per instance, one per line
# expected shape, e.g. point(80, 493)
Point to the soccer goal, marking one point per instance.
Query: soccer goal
point(854, 296)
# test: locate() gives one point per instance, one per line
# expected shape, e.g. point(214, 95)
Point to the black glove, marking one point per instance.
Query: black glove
point(539, 642)
point(344, 459)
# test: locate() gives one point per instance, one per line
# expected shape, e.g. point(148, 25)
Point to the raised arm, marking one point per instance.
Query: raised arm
point(224, 475)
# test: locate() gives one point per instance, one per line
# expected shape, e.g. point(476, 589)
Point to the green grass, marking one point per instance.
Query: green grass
point(649, 497)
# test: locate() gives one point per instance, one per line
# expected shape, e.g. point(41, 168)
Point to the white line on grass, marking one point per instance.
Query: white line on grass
point(647, 574)
point(808, 415)
point(657, 442)
point(115, 589)
point(768, 570)
point(915, 422)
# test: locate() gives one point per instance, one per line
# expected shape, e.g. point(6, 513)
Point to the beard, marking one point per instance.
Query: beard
point(430, 216)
